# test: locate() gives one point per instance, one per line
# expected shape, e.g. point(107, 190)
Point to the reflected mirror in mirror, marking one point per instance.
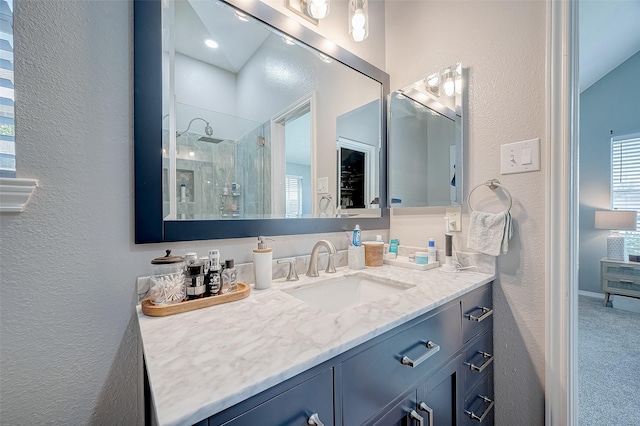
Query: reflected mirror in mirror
point(425, 141)
point(259, 125)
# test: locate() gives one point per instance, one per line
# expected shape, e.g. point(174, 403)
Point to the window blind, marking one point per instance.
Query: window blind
point(625, 182)
point(293, 195)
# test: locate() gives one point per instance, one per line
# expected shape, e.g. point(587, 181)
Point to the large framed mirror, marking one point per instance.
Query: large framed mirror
point(426, 141)
point(243, 128)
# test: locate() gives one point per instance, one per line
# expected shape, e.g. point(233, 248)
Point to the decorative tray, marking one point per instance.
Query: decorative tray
point(404, 262)
point(152, 310)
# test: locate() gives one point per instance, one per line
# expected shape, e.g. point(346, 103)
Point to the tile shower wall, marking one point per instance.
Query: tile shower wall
point(227, 179)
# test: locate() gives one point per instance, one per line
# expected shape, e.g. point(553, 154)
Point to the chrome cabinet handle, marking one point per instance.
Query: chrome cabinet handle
point(415, 416)
point(314, 419)
point(424, 407)
point(488, 360)
point(432, 348)
point(486, 411)
point(486, 313)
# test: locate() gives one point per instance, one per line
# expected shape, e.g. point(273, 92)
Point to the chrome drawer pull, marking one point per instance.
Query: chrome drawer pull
point(432, 348)
point(424, 407)
point(488, 360)
point(314, 419)
point(486, 313)
point(484, 413)
point(415, 416)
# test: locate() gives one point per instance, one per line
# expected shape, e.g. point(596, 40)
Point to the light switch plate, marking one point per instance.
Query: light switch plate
point(323, 185)
point(520, 157)
point(455, 223)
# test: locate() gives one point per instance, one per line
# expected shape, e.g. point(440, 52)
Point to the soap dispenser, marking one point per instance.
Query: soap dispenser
point(262, 264)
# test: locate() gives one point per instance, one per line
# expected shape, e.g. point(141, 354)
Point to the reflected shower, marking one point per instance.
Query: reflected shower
point(208, 130)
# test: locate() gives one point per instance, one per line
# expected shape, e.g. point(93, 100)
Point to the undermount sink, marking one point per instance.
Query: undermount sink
point(336, 294)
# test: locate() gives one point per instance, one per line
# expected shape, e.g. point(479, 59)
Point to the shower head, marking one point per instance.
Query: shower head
point(209, 139)
point(208, 131)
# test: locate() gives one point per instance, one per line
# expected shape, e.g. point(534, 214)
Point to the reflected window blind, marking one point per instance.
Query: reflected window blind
point(293, 189)
point(625, 181)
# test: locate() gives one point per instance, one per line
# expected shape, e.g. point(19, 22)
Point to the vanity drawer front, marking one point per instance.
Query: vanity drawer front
point(479, 405)
point(478, 359)
point(375, 377)
point(294, 406)
point(477, 313)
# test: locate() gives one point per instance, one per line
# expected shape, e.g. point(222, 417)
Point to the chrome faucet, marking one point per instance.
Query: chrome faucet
point(313, 261)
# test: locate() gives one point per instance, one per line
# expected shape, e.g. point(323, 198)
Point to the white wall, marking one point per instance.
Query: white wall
point(69, 346)
point(503, 45)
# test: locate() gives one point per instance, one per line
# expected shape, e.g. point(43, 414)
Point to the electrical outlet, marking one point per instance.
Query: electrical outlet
point(453, 214)
point(323, 185)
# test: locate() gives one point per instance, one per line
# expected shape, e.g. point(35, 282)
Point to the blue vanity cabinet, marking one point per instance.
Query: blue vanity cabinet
point(375, 377)
point(311, 400)
point(436, 369)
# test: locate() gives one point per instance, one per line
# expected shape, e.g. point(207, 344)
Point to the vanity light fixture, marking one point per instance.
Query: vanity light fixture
point(358, 19)
point(318, 9)
point(211, 43)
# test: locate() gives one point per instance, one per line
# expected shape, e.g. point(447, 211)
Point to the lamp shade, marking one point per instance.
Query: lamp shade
point(618, 220)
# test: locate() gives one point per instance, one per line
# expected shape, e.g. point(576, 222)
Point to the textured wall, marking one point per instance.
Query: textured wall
point(503, 45)
point(68, 340)
point(612, 103)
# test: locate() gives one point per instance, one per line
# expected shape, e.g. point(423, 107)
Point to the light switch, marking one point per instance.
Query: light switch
point(520, 157)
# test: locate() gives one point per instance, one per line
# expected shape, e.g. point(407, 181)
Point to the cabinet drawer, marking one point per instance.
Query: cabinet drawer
point(375, 377)
point(631, 271)
point(478, 359)
point(294, 406)
point(477, 313)
point(621, 286)
point(478, 404)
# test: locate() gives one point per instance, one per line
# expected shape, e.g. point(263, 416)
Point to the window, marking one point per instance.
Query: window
point(625, 182)
point(293, 194)
point(7, 135)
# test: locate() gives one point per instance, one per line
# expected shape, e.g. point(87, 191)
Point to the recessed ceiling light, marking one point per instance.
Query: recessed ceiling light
point(211, 43)
point(241, 16)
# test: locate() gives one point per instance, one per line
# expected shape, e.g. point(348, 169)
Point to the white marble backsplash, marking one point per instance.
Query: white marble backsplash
point(483, 263)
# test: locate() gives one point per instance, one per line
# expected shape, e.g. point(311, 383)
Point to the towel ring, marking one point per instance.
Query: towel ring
point(492, 184)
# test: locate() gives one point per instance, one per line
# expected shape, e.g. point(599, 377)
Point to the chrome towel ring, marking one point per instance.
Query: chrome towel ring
point(492, 184)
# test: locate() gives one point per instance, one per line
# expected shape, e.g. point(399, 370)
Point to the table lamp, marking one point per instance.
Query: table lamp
point(616, 220)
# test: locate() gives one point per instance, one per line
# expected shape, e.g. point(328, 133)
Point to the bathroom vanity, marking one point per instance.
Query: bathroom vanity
point(423, 353)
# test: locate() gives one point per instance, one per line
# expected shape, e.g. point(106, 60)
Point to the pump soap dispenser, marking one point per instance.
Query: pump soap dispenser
point(262, 264)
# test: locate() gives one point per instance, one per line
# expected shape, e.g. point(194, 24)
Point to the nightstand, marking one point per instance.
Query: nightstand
point(619, 277)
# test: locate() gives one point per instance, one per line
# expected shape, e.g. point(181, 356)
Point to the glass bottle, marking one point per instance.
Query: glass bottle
point(229, 277)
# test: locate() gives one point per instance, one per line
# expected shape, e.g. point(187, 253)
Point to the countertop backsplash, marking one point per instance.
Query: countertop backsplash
point(482, 262)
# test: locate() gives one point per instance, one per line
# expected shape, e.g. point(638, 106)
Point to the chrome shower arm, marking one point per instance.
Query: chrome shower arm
point(207, 129)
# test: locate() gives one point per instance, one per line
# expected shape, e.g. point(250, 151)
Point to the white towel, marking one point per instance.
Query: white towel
point(490, 233)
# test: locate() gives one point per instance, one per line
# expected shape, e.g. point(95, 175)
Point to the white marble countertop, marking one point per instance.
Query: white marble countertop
point(204, 361)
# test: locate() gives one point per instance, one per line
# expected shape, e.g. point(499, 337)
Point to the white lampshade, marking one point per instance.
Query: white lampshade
point(618, 220)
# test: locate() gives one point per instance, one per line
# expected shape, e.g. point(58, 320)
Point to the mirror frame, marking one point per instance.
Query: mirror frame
point(150, 226)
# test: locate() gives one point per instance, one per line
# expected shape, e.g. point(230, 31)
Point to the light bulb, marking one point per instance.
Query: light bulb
point(191, 153)
point(449, 87)
point(211, 43)
point(358, 34)
point(358, 20)
point(318, 9)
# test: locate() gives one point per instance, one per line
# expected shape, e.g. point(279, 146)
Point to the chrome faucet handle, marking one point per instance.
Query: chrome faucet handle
point(331, 269)
point(292, 275)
